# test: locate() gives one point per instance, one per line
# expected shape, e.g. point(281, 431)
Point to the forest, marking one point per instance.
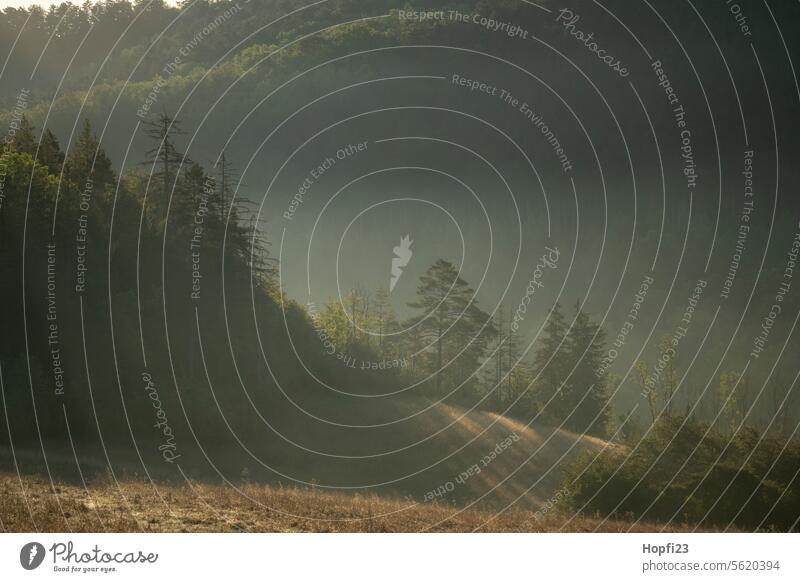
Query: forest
point(152, 309)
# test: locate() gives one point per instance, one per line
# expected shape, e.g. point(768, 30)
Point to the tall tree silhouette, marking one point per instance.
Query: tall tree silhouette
point(24, 140)
point(50, 153)
point(586, 395)
point(88, 161)
point(164, 159)
point(450, 320)
point(552, 363)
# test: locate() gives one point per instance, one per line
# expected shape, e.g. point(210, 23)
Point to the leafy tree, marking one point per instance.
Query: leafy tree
point(24, 140)
point(336, 324)
point(668, 378)
point(646, 389)
point(683, 471)
point(658, 384)
point(451, 324)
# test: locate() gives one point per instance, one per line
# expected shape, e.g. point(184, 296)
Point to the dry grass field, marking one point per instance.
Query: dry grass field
point(32, 504)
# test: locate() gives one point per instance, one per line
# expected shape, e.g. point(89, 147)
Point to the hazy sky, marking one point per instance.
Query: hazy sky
point(18, 3)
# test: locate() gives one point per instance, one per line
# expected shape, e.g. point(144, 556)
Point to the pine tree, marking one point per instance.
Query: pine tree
point(411, 343)
point(192, 201)
point(516, 373)
point(50, 153)
point(357, 307)
point(451, 322)
point(552, 363)
point(88, 166)
point(164, 159)
point(383, 320)
point(508, 370)
point(227, 174)
point(587, 397)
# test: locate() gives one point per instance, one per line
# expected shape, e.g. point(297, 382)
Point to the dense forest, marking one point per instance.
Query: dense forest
point(452, 349)
point(152, 307)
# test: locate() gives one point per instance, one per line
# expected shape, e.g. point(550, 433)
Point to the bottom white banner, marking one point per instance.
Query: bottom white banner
point(371, 557)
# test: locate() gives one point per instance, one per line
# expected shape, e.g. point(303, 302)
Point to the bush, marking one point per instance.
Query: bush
point(675, 473)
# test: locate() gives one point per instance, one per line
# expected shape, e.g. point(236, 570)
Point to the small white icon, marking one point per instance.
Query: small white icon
point(34, 551)
point(402, 254)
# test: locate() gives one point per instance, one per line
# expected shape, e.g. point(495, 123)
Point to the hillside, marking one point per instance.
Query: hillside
point(519, 466)
point(365, 254)
point(194, 507)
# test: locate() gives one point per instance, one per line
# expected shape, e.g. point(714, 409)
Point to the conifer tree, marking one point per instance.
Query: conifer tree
point(552, 363)
point(384, 320)
point(586, 397)
point(451, 322)
point(50, 153)
point(165, 161)
point(515, 370)
point(24, 140)
point(87, 161)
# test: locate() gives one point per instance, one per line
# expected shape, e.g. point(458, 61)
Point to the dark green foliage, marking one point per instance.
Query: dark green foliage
point(24, 141)
point(568, 387)
point(170, 276)
point(684, 471)
point(50, 153)
point(87, 166)
point(552, 365)
point(453, 328)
